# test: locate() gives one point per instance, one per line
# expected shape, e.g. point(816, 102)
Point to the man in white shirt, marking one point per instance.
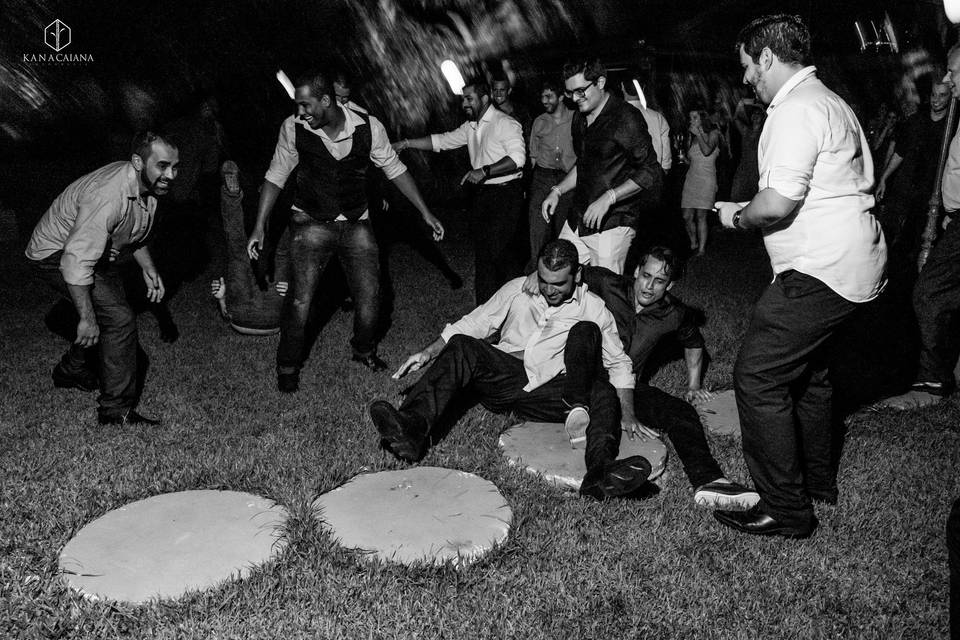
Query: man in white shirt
point(657, 126)
point(828, 255)
point(494, 142)
point(332, 147)
point(548, 365)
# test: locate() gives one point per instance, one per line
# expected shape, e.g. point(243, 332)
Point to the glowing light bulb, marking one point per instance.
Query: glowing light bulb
point(285, 81)
point(452, 74)
point(952, 9)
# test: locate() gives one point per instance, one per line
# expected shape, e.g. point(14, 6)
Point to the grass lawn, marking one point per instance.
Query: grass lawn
point(656, 568)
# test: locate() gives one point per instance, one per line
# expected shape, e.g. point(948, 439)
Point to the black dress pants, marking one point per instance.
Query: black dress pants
point(494, 222)
point(784, 395)
point(469, 365)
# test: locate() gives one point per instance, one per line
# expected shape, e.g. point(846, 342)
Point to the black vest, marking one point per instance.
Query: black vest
point(327, 187)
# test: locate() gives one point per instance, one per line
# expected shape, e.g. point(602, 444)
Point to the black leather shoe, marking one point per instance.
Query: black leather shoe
point(288, 382)
point(615, 479)
point(84, 382)
point(396, 432)
point(371, 362)
point(758, 523)
point(130, 417)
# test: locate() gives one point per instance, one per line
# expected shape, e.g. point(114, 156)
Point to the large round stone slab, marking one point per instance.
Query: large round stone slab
point(423, 515)
point(720, 415)
point(544, 448)
point(169, 544)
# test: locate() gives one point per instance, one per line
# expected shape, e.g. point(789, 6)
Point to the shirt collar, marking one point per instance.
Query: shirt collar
point(659, 307)
point(131, 186)
point(791, 84)
point(352, 120)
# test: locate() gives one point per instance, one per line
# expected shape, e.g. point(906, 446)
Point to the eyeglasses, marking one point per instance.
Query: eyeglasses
point(580, 92)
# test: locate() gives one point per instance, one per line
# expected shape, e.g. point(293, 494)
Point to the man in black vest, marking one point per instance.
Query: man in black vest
point(332, 146)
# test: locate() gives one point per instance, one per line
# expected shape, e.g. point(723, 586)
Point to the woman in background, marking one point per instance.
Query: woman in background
point(700, 184)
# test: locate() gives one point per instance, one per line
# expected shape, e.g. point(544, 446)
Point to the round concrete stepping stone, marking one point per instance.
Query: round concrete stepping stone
point(169, 544)
point(425, 515)
point(720, 415)
point(544, 448)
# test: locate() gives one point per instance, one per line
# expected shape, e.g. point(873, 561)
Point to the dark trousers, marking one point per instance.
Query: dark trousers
point(936, 300)
point(541, 231)
point(471, 366)
point(678, 419)
point(311, 246)
point(249, 306)
point(118, 347)
point(784, 395)
point(494, 219)
point(953, 556)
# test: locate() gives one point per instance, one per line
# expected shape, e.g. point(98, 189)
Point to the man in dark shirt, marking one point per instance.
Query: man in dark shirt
point(616, 176)
point(646, 313)
point(908, 178)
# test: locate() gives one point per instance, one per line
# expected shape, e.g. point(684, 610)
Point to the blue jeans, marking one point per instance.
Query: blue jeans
point(311, 246)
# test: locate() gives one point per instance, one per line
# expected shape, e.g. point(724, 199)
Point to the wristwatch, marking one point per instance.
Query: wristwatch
point(736, 220)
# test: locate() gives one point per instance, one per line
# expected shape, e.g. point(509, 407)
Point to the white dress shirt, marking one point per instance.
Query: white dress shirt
point(659, 130)
point(285, 156)
point(813, 150)
point(494, 136)
point(530, 326)
point(950, 189)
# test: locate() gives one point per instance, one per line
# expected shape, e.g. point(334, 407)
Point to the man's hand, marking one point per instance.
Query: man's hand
point(474, 176)
point(696, 396)
point(881, 189)
point(531, 285)
point(88, 332)
point(255, 243)
point(549, 205)
point(435, 225)
point(595, 212)
point(413, 363)
point(155, 289)
point(400, 145)
point(632, 427)
point(725, 211)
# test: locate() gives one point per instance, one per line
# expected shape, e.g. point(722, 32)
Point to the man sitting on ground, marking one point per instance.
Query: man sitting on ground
point(646, 313)
point(548, 365)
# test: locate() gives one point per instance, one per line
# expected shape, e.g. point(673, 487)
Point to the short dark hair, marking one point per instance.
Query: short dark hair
point(785, 35)
point(318, 82)
point(341, 77)
point(591, 69)
point(559, 254)
point(479, 85)
point(142, 144)
point(671, 261)
point(551, 84)
point(500, 76)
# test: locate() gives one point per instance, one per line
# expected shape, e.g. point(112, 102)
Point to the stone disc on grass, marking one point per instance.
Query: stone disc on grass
point(543, 448)
point(423, 515)
point(167, 545)
point(720, 415)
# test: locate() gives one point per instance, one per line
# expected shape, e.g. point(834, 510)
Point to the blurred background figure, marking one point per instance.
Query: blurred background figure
point(700, 184)
point(748, 119)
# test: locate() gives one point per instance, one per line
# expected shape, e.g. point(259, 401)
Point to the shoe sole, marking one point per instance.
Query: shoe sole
point(718, 500)
point(576, 428)
point(392, 436)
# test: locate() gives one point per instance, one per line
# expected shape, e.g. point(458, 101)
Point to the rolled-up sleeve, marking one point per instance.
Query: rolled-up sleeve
point(451, 139)
point(615, 361)
point(510, 134)
point(381, 153)
point(633, 137)
point(787, 166)
point(285, 156)
point(666, 160)
point(96, 218)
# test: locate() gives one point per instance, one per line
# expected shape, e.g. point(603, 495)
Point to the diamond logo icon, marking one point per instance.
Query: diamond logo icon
point(57, 35)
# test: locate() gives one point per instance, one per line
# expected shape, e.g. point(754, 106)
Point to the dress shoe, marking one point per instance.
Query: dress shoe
point(933, 388)
point(576, 426)
point(725, 495)
point(85, 381)
point(758, 523)
point(130, 417)
point(615, 479)
point(371, 362)
point(397, 432)
point(288, 382)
